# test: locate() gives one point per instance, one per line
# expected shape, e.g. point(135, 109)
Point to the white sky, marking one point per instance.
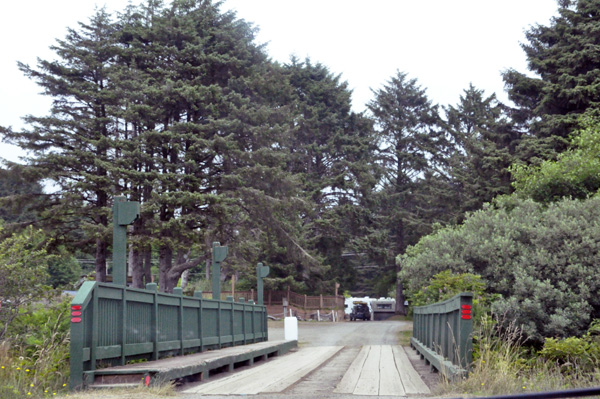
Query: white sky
point(444, 44)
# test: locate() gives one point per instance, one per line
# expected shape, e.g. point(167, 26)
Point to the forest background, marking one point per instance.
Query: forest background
point(176, 106)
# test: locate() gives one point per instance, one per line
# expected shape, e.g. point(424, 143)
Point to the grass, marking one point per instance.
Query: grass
point(142, 392)
point(504, 367)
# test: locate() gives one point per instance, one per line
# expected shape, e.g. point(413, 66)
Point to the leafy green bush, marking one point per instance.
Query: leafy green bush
point(542, 260)
point(571, 353)
point(575, 174)
point(23, 273)
point(446, 284)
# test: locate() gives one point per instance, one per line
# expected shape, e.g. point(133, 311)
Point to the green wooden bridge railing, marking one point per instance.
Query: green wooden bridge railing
point(114, 325)
point(443, 335)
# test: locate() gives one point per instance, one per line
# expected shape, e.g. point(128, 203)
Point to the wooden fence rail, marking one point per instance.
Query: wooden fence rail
point(442, 334)
point(294, 299)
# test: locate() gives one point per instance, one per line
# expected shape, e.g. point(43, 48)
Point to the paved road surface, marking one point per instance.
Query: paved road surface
point(334, 360)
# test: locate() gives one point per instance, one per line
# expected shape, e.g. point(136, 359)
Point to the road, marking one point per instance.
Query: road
point(334, 360)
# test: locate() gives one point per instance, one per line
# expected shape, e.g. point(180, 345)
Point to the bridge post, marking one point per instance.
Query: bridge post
point(261, 272)
point(219, 253)
point(124, 213)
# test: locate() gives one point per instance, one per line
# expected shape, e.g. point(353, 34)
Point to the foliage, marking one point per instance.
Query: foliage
point(484, 146)
point(542, 261)
point(34, 360)
point(63, 269)
point(503, 365)
point(573, 354)
point(20, 195)
point(575, 174)
point(23, 273)
point(564, 85)
point(445, 285)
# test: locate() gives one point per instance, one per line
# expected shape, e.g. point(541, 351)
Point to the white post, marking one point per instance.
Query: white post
point(318, 315)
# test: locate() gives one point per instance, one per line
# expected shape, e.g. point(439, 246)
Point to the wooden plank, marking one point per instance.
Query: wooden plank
point(348, 382)
point(321, 356)
point(274, 376)
point(368, 382)
point(271, 372)
point(390, 383)
point(413, 384)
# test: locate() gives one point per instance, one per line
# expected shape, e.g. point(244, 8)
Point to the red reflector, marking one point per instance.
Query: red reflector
point(78, 320)
point(147, 381)
point(466, 317)
point(466, 311)
point(75, 313)
point(466, 306)
point(76, 307)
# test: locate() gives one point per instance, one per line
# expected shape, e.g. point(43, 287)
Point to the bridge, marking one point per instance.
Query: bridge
point(121, 336)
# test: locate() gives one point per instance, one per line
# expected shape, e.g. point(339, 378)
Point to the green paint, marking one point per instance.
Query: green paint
point(443, 337)
point(124, 213)
point(261, 273)
point(219, 254)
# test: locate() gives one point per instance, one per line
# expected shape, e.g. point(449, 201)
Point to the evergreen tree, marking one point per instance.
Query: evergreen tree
point(21, 198)
point(484, 147)
point(563, 56)
point(329, 149)
point(411, 151)
point(72, 146)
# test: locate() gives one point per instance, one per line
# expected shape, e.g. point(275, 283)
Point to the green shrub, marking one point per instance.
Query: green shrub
point(582, 353)
point(23, 273)
point(542, 260)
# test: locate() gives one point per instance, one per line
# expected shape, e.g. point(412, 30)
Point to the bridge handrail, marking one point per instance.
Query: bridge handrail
point(443, 334)
point(114, 324)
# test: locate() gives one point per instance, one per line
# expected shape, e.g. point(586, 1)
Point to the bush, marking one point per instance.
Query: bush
point(446, 284)
point(575, 353)
point(543, 261)
point(23, 273)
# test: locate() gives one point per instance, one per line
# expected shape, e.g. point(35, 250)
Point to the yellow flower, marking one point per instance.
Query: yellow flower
point(27, 370)
point(18, 368)
point(64, 385)
point(482, 384)
point(30, 385)
point(28, 393)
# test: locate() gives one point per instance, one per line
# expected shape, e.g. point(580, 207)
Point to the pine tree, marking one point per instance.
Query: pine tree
point(484, 147)
point(72, 146)
point(563, 55)
point(411, 151)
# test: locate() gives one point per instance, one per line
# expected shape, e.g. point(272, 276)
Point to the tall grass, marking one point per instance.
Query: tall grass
point(34, 360)
point(504, 365)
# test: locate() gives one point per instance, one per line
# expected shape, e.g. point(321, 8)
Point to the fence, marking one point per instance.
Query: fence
point(305, 306)
point(442, 334)
point(115, 325)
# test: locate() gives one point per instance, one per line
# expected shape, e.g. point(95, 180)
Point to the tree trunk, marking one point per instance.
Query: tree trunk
point(101, 260)
point(165, 262)
point(147, 264)
point(137, 268)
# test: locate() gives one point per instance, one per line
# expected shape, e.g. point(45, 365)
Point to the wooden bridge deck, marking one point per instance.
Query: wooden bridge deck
point(195, 367)
point(377, 370)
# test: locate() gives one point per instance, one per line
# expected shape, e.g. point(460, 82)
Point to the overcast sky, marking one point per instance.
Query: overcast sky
point(444, 44)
